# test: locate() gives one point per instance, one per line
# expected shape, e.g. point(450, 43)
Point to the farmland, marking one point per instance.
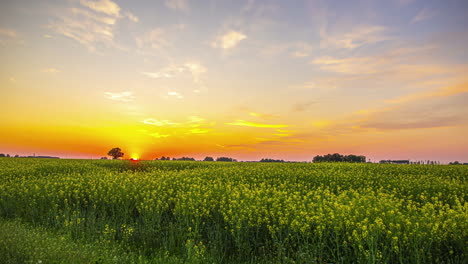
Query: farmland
point(111, 211)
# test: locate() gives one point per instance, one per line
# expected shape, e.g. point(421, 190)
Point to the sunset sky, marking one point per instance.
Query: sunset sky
point(244, 79)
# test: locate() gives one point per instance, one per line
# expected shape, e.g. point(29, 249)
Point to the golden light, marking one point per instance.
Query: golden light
point(135, 156)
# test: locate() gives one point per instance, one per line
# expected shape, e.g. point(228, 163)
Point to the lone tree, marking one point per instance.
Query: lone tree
point(115, 153)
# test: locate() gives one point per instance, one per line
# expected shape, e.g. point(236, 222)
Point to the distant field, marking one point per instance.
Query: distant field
point(109, 211)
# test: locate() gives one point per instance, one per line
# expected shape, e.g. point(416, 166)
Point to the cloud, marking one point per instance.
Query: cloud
point(429, 113)
point(102, 6)
point(50, 70)
point(175, 94)
point(229, 40)
point(354, 65)
point(422, 15)
point(158, 135)
point(251, 124)
point(8, 33)
point(156, 122)
point(10, 36)
point(92, 23)
point(431, 109)
point(194, 68)
point(319, 84)
point(199, 131)
point(301, 50)
point(356, 37)
point(122, 96)
point(132, 17)
point(263, 116)
point(154, 39)
point(304, 106)
point(181, 5)
point(441, 92)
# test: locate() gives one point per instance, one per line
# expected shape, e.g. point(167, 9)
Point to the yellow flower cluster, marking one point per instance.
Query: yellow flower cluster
point(326, 211)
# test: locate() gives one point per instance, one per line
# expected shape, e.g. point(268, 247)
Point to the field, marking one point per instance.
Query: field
point(110, 211)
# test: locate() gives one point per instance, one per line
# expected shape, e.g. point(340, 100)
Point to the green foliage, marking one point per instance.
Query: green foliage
point(216, 212)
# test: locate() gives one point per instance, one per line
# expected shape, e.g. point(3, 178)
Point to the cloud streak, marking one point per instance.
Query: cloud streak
point(357, 37)
point(229, 40)
point(252, 124)
point(102, 6)
point(121, 97)
point(181, 5)
point(50, 70)
point(424, 14)
point(195, 69)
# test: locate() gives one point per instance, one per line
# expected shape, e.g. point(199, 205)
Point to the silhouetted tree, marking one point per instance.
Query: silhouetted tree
point(185, 158)
point(2, 155)
point(271, 160)
point(455, 163)
point(208, 159)
point(115, 153)
point(336, 157)
point(225, 159)
point(17, 156)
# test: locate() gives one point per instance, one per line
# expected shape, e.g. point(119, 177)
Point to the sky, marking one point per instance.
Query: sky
point(245, 79)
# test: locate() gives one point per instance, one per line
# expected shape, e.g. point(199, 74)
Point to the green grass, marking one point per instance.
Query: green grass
point(111, 211)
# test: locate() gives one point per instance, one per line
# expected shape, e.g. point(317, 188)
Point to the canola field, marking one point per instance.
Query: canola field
point(111, 211)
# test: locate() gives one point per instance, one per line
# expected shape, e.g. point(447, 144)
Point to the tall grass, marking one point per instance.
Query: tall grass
point(247, 212)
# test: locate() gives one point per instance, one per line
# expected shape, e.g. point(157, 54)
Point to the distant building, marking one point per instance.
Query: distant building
point(103, 158)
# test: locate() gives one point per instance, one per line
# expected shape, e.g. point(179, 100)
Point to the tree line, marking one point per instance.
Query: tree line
point(336, 157)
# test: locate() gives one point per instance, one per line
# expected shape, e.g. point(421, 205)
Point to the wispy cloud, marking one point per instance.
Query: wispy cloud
point(175, 94)
point(8, 33)
point(199, 131)
point(440, 92)
point(441, 107)
point(301, 50)
point(252, 124)
point(353, 65)
point(154, 39)
point(132, 17)
point(181, 5)
point(229, 40)
point(122, 96)
point(50, 70)
point(303, 106)
point(156, 122)
point(424, 14)
point(193, 125)
point(103, 6)
point(356, 37)
point(263, 115)
point(9, 36)
point(196, 69)
point(158, 135)
point(91, 23)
